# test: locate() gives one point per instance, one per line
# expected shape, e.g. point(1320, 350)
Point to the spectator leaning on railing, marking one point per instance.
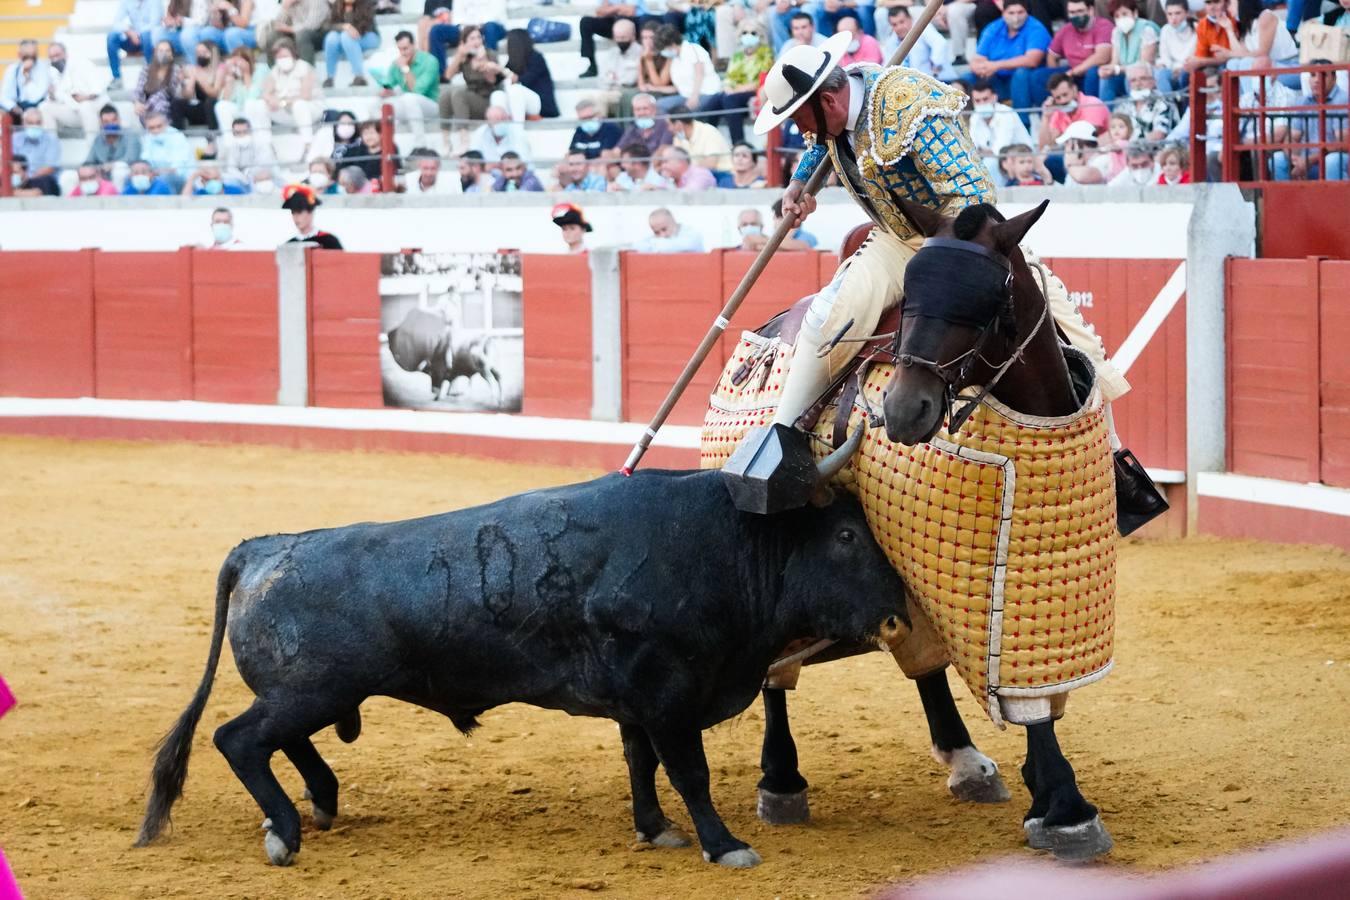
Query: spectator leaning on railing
point(133, 24)
point(76, 94)
point(593, 135)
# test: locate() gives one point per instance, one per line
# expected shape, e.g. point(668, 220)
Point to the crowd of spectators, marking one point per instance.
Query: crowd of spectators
point(1069, 91)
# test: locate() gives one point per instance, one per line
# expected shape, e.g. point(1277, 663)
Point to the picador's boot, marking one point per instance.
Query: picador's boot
point(1138, 499)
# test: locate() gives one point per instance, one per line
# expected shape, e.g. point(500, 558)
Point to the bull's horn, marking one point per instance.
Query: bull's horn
point(833, 464)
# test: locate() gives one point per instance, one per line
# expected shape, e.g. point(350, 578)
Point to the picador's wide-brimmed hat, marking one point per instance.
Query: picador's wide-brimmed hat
point(569, 214)
point(299, 198)
point(795, 77)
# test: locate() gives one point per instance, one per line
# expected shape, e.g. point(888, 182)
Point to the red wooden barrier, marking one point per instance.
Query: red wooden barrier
point(1273, 368)
point(558, 354)
point(47, 324)
point(788, 277)
point(344, 336)
point(234, 327)
point(1334, 282)
point(143, 338)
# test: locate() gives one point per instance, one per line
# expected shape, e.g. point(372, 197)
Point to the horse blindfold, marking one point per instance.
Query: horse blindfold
point(956, 285)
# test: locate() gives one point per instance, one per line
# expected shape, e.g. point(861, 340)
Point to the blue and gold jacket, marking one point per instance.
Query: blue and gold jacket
point(910, 141)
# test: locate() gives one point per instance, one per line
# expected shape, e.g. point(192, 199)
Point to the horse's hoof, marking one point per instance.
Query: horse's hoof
point(980, 789)
point(323, 819)
point(672, 838)
point(737, 859)
point(783, 809)
point(277, 851)
point(1070, 843)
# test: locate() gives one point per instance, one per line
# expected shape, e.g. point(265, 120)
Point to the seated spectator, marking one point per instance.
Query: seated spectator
point(353, 180)
point(862, 48)
point(498, 137)
point(473, 175)
point(40, 147)
point(264, 182)
point(745, 168)
point(437, 31)
point(222, 230)
point(290, 96)
point(1257, 39)
point(243, 24)
point(202, 84)
point(803, 30)
point(161, 80)
point(481, 76)
point(741, 82)
point(1211, 37)
point(653, 68)
point(206, 181)
point(993, 126)
point(1083, 163)
point(220, 17)
point(341, 140)
point(241, 154)
point(76, 94)
point(830, 15)
point(750, 225)
point(350, 35)
point(24, 184)
point(691, 70)
point(1119, 137)
point(1172, 166)
point(167, 151)
point(727, 18)
point(1176, 44)
point(242, 85)
point(592, 135)
point(569, 218)
point(321, 177)
point(131, 34)
point(429, 180)
point(931, 55)
point(1067, 105)
point(601, 24)
point(677, 168)
point(1322, 89)
point(367, 156)
point(958, 17)
point(704, 144)
point(1134, 40)
point(178, 15)
point(303, 22)
point(1019, 167)
point(529, 83)
point(574, 174)
point(92, 183)
point(412, 84)
point(799, 239)
point(1081, 47)
point(669, 236)
point(514, 175)
point(1138, 170)
point(647, 129)
point(1338, 17)
point(143, 181)
point(1009, 53)
point(113, 149)
point(619, 69)
point(779, 16)
point(1152, 114)
point(638, 173)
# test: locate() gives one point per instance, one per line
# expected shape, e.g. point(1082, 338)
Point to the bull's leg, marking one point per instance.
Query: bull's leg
point(1060, 819)
point(321, 785)
point(248, 742)
point(974, 776)
point(681, 752)
point(782, 789)
point(650, 822)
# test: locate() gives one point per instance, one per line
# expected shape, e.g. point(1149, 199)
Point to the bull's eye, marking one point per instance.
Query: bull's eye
point(846, 536)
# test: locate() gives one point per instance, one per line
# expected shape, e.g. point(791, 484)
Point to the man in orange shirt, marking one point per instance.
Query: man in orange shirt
point(1209, 33)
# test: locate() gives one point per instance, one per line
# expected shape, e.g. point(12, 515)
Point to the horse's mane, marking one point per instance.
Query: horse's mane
point(971, 220)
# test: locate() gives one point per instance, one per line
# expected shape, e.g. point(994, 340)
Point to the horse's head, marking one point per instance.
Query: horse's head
point(957, 313)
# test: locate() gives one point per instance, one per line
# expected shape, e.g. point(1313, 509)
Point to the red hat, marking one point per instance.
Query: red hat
point(569, 214)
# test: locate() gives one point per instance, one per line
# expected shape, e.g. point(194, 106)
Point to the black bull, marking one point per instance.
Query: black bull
point(424, 342)
point(649, 600)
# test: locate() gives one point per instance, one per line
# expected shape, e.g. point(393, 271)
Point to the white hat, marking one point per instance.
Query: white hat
point(795, 77)
point(1078, 131)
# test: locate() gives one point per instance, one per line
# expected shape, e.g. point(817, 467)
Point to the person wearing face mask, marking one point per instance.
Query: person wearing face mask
point(1080, 47)
point(619, 68)
point(160, 81)
point(39, 146)
point(750, 227)
point(572, 222)
point(133, 24)
point(24, 184)
point(1176, 44)
point(499, 136)
point(592, 135)
point(242, 154)
point(26, 83)
point(1009, 52)
point(76, 93)
point(264, 183)
point(290, 95)
point(993, 126)
point(304, 22)
point(691, 70)
point(341, 140)
point(142, 182)
point(1134, 40)
point(862, 47)
point(92, 183)
point(222, 230)
point(1153, 115)
point(301, 201)
point(112, 149)
point(320, 178)
point(1067, 105)
point(601, 24)
point(202, 85)
point(207, 182)
point(1139, 168)
point(647, 128)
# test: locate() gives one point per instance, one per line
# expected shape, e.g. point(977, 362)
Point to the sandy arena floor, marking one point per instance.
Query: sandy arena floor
point(1221, 728)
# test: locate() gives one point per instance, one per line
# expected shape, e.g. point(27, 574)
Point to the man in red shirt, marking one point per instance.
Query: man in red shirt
point(1082, 45)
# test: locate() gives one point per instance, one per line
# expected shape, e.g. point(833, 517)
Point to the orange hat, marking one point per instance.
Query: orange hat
point(299, 198)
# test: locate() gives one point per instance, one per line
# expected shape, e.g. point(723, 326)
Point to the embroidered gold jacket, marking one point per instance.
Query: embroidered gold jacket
point(909, 141)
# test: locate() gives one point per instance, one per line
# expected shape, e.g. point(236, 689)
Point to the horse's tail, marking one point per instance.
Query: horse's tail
point(171, 757)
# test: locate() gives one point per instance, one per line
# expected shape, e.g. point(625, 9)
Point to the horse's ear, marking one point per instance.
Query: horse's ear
point(928, 221)
point(1009, 234)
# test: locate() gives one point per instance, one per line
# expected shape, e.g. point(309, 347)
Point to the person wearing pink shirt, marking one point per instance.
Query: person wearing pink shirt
point(1066, 105)
point(863, 47)
point(683, 175)
point(1081, 46)
point(93, 184)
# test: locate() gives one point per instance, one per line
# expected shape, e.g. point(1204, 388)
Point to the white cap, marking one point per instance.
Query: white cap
point(795, 77)
point(1078, 131)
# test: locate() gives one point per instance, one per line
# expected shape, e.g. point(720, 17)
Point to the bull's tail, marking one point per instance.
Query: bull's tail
point(171, 757)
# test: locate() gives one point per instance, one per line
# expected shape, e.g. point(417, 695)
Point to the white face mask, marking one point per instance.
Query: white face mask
point(853, 45)
point(89, 186)
point(243, 140)
point(986, 109)
point(1125, 24)
point(264, 187)
point(1141, 176)
point(285, 63)
point(1139, 93)
point(749, 41)
point(747, 230)
point(319, 180)
point(345, 131)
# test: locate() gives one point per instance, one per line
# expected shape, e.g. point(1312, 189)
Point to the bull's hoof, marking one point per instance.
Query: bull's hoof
point(323, 819)
point(277, 851)
point(746, 858)
point(672, 839)
point(1070, 843)
point(783, 809)
point(980, 789)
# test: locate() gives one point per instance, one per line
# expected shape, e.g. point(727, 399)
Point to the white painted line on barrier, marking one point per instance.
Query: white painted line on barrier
point(1166, 476)
point(487, 425)
point(1319, 498)
point(1152, 320)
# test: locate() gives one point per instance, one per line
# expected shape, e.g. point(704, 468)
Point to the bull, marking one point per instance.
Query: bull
point(648, 600)
point(424, 342)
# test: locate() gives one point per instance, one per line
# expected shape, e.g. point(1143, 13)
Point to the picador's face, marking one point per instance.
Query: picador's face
point(834, 105)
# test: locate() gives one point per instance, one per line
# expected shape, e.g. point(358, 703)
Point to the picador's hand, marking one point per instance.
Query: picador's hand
point(797, 205)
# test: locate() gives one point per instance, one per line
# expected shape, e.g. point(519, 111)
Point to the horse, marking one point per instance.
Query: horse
point(991, 329)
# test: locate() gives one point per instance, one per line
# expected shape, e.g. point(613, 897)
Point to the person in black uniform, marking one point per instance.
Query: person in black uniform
point(301, 199)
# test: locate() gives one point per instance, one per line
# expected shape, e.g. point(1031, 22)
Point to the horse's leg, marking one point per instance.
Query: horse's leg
point(782, 789)
point(1060, 819)
point(974, 776)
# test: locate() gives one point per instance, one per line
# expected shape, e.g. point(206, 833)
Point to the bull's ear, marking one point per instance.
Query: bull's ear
point(822, 495)
point(1009, 234)
point(928, 221)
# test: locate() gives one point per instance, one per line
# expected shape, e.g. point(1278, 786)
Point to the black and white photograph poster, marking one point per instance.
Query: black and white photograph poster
point(450, 331)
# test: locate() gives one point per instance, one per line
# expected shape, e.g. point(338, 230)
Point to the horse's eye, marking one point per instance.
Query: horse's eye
point(846, 536)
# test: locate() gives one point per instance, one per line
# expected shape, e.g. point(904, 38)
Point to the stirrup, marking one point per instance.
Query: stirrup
point(1138, 500)
point(772, 470)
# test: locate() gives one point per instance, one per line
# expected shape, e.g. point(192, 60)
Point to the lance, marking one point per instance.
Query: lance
point(733, 303)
